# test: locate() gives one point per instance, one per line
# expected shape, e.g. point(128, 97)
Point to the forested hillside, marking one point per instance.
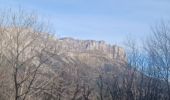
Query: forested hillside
point(36, 65)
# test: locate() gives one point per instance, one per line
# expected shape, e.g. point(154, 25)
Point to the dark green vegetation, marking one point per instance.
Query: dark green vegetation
point(34, 65)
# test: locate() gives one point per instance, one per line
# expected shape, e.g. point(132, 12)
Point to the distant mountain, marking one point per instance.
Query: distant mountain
point(90, 53)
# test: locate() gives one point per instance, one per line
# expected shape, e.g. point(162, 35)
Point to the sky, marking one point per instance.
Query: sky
point(108, 20)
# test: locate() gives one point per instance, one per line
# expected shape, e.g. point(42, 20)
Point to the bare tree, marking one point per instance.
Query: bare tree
point(158, 48)
point(24, 44)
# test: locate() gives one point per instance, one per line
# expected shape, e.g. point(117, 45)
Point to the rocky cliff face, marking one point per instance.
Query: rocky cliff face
point(93, 47)
point(88, 54)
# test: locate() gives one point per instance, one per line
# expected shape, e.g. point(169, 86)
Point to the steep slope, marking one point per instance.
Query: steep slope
point(90, 53)
point(77, 65)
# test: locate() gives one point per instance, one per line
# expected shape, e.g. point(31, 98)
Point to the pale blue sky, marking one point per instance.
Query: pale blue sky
point(109, 20)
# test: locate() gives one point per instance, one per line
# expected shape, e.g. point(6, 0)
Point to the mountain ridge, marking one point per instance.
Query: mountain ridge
point(68, 44)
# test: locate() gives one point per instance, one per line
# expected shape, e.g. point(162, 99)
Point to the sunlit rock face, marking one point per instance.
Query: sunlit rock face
point(91, 47)
point(88, 53)
point(86, 59)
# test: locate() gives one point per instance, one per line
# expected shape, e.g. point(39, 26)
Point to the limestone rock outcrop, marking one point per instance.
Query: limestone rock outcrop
point(91, 47)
